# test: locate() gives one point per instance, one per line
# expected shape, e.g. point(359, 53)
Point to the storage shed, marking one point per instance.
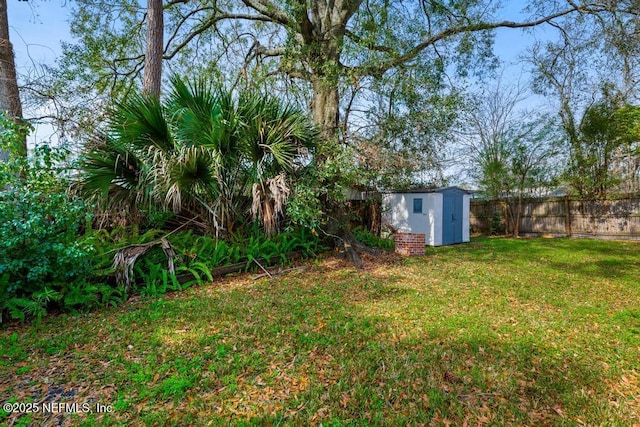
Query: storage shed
point(441, 214)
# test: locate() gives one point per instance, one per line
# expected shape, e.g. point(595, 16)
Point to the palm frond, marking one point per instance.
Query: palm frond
point(109, 167)
point(195, 111)
point(203, 151)
point(189, 173)
point(140, 121)
point(269, 199)
point(274, 133)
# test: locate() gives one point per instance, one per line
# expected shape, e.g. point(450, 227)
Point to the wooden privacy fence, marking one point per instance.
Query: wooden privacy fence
point(606, 219)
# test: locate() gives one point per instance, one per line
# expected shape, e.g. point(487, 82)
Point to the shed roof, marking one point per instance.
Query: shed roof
point(432, 190)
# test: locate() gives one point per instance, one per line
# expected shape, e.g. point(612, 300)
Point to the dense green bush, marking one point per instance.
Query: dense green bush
point(40, 255)
point(38, 238)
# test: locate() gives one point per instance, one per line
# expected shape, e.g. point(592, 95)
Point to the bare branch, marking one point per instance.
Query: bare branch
point(174, 2)
point(183, 20)
point(127, 59)
point(261, 51)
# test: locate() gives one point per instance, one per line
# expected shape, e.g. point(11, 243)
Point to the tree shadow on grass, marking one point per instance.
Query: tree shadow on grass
point(612, 268)
point(387, 379)
point(310, 348)
point(357, 367)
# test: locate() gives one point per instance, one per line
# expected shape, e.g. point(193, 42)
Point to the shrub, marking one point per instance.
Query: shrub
point(38, 238)
point(40, 256)
point(496, 226)
point(372, 240)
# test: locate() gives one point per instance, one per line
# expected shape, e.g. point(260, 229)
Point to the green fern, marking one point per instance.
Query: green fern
point(191, 271)
point(202, 267)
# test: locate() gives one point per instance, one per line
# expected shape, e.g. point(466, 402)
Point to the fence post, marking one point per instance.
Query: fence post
point(567, 216)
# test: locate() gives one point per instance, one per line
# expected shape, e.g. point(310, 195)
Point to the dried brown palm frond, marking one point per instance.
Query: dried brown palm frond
point(269, 218)
point(269, 199)
point(279, 192)
point(125, 259)
point(257, 193)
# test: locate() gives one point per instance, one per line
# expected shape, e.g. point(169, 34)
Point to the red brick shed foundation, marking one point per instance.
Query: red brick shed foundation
point(409, 244)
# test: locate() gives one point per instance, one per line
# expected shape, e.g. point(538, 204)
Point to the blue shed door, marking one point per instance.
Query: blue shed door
point(451, 218)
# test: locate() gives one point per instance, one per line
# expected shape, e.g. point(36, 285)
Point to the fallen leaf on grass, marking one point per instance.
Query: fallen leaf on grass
point(558, 411)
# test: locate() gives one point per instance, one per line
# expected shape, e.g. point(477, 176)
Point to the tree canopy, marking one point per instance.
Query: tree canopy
point(332, 48)
point(383, 78)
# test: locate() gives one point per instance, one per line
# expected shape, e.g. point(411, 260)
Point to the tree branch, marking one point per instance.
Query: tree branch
point(306, 27)
point(271, 11)
point(183, 19)
point(279, 51)
point(204, 26)
point(359, 40)
point(295, 73)
point(174, 2)
point(482, 26)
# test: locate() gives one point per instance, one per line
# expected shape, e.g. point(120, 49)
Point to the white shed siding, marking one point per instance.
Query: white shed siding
point(395, 211)
point(417, 221)
point(466, 199)
point(434, 207)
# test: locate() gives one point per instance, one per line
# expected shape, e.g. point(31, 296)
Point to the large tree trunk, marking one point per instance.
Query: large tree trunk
point(326, 108)
point(9, 94)
point(153, 55)
point(323, 28)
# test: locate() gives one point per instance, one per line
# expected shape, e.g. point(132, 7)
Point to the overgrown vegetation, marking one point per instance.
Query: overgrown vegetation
point(53, 259)
point(198, 259)
point(170, 190)
point(495, 332)
point(203, 152)
point(41, 259)
point(199, 256)
point(372, 240)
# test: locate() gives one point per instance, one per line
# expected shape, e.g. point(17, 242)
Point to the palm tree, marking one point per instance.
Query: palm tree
point(274, 136)
point(202, 152)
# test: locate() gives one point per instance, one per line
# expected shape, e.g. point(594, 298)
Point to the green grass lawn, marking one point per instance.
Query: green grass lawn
point(495, 332)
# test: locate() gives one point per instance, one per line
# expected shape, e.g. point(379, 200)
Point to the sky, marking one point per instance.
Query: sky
point(36, 28)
